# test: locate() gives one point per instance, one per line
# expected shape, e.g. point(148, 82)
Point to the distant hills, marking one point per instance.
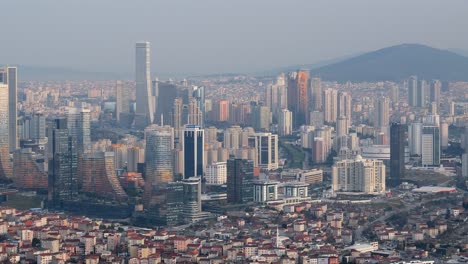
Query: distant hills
point(393, 63)
point(397, 63)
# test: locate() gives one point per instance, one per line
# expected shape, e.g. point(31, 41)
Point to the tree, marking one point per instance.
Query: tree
point(36, 243)
point(4, 237)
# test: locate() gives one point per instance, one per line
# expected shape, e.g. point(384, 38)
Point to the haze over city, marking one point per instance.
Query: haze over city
point(283, 132)
point(209, 36)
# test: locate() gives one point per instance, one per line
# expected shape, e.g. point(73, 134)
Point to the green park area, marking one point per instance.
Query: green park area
point(294, 155)
point(21, 202)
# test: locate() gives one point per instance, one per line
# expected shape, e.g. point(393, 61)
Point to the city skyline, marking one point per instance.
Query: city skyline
point(361, 161)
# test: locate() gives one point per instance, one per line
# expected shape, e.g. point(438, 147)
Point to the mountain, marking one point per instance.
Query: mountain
point(310, 66)
point(397, 63)
point(462, 52)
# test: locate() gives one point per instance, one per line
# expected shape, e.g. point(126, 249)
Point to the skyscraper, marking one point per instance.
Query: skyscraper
point(397, 152)
point(192, 209)
point(28, 173)
point(395, 94)
point(8, 76)
point(421, 93)
point(465, 138)
point(167, 204)
point(298, 103)
point(341, 126)
point(135, 155)
point(316, 94)
point(285, 122)
point(154, 93)
point(79, 127)
point(326, 136)
point(330, 105)
point(260, 117)
point(63, 164)
point(221, 110)
point(198, 93)
point(144, 96)
point(233, 137)
point(193, 144)
point(276, 96)
point(465, 166)
point(158, 157)
point(381, 113)
point(435, 88)
point(414, 138)
point(37, 128)
point(430, 146)
point(5, 166)
point(177, 114)
point(195, 115)
point(344, 107)
point(167, 93)
point(239, 180)
point(266, 145)
point(413, 91)
point(444, 135)
point(120, 155)
point(319, 151)
point(122, 104)
point(97, 175)
point(302, 105)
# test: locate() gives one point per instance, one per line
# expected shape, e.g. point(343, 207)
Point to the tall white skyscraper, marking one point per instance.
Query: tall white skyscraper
point(8, 75)
point(79, 126)
point(5, 166)
point(144, 97)
point(330, 105)
point(285, 122)
point(341, 126)
point(276, 95)
point(414, 138)
point(344, 107)
point(359, 175)
point(430, 146)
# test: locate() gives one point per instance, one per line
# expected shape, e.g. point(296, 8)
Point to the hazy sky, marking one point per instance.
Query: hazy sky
point(213, 36)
